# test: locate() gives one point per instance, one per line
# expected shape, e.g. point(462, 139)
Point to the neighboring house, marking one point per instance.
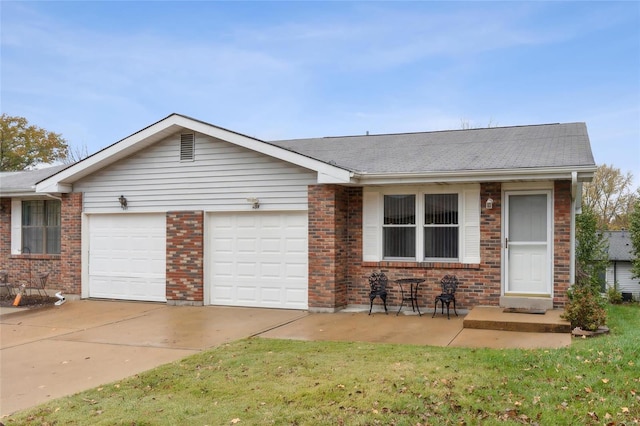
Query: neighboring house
point(619, 270)
point(190, 213)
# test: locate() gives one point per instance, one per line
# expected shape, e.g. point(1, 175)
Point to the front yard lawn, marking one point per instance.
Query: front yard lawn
point(261, 381)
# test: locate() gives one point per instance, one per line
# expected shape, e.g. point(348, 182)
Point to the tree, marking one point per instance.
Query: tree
point(610, 196)
point(634, 231)
point(22, 146)
point(592, 254)
point(76, 153)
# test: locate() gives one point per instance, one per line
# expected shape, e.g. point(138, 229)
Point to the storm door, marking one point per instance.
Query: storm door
point(528, 243)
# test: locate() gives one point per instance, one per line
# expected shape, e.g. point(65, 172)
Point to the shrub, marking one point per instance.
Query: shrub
point(614, 296)
point(585, 309)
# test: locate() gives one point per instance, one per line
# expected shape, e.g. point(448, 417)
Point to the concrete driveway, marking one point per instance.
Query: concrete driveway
point(53, 352)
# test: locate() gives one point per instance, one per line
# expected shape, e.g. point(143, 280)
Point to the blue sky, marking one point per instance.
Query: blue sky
point(97, 72)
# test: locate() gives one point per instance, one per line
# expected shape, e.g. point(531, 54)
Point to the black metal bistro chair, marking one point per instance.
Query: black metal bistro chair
point(449, 286)
point(378, 285)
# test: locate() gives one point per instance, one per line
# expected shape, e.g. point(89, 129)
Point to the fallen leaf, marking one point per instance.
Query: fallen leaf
point(588, 390)
point(234, 421)
point(605, 380)
point(625, 409)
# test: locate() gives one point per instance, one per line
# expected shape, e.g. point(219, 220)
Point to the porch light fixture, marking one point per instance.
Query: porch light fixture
point(123, 202)
point(489, 204)
point(255, 202)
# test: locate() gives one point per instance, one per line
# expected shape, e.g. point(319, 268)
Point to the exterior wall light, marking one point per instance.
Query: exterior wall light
point(255, 202)
point(123, 202)
point(489, 204)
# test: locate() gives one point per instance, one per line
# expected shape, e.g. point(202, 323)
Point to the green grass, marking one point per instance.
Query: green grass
point(261, 381)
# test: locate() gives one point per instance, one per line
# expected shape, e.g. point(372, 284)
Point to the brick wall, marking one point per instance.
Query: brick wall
point(328, 254)
point(5, 233)
point(71, 243)
point(185, 257)
point(562, 241)
point(24, 268)
point(480, 284)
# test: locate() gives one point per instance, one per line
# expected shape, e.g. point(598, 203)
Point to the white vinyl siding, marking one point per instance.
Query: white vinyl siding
point(469, 218)
point(623, 276)
point(221, 178)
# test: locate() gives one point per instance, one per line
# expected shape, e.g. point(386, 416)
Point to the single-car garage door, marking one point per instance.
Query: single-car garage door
point(127, 256)
point(258, 259)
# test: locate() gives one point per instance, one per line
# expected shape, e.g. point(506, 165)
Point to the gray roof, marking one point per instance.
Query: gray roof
point(497, 148)
point(25, 181)
point(619, 245)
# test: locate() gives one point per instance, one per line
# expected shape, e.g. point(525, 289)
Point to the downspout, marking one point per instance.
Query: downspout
point(572, 237)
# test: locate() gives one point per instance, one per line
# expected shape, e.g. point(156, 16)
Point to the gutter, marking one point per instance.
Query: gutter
point(583, 173)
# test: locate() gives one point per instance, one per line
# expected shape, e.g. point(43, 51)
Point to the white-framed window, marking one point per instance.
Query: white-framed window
point(35, 226)
point(41, 226)
point(399, 226)
point(423, 224)
point(441, 227)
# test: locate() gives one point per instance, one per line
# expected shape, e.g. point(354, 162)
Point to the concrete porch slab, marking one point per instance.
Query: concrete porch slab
point(494, 318)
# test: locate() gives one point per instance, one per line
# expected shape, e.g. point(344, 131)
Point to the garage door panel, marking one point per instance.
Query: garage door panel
point(269, 257)
point(246, 270)
point(127, 257)
point(247, 245)
point(296, 296)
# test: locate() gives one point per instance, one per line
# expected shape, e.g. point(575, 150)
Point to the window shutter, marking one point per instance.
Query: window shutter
point(471, 231)
point(371, 228)
point(187, 147)
point(16, 226)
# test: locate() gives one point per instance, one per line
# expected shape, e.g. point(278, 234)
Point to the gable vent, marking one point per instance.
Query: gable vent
point(187, 147)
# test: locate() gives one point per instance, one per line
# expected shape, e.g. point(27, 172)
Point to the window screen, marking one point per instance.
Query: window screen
point(441, 226)
point(41, 226)
point(399, 226)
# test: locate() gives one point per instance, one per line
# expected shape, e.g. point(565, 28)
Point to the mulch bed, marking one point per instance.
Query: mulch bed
point(28, 301)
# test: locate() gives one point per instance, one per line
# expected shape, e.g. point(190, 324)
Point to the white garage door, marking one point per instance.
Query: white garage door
point(258, 259)
point(127, 257)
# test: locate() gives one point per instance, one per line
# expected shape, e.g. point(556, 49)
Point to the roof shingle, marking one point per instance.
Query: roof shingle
point(497, 148)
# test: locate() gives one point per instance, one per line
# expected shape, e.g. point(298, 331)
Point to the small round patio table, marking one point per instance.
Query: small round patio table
point(409, 290)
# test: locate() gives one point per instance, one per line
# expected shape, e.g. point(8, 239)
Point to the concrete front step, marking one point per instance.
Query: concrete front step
point(495, 318)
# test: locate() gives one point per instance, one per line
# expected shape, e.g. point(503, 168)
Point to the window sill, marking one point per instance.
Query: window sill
point(423, 265)
point(35, 256)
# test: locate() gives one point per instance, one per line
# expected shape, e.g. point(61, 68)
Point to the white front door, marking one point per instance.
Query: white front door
point(528, 243)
